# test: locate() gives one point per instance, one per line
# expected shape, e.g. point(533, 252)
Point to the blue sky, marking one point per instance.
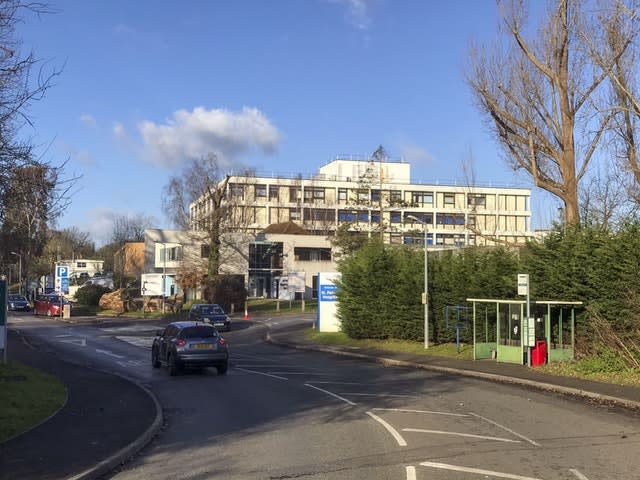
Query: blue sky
point(282, 86)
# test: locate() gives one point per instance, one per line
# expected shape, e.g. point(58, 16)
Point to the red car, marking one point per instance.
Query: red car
point(50, 305)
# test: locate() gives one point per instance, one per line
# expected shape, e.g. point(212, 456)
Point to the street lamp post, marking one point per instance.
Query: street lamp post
point(19, 272)
point(164, 272)
point(426, 281)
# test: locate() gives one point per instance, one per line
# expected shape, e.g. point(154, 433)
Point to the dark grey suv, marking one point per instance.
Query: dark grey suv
point(189, 344)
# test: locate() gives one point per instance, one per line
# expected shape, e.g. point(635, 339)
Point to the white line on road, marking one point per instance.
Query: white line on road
point(506, 429)
point(300, 373)
point(377, 395)
point(401, 441)
point(330, 393)
point(429, 412)
point(261, 373)
point(578, 474)
point(479, 471)
point(411, 473)
point(336, 383)
point(81, 342)
point(468, 435)
point(109, 353)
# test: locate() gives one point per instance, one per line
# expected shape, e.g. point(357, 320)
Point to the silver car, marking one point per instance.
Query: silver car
point(189, 344)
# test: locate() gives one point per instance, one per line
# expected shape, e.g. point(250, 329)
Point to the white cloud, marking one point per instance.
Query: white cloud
point(89, 120)
point(358, 12)
point(415, 155)
point(122, 137)
point(190, 135)
point(82, 156)
point(99, 224)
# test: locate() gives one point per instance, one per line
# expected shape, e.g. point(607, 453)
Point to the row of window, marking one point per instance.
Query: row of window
point(418, 198)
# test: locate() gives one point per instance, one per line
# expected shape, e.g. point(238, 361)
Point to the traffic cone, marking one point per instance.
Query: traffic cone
point(246, 313)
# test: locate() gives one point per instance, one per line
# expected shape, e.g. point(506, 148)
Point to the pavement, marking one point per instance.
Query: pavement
point(101, 431)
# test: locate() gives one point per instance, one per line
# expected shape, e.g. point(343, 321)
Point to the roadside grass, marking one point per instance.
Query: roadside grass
point(577, 369)
point(269, 305)
point(448, 350)
point(28, 396)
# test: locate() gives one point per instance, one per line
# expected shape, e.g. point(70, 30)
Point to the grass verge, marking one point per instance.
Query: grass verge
point(28, 396)
point(579, 369)
point(448, 350)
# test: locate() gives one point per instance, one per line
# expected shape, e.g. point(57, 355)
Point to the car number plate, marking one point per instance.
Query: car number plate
point(203, 346)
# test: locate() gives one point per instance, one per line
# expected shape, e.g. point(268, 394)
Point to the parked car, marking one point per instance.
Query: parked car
point(19, 302)
point(50, 305)
point(189, 344)
point(210, 313)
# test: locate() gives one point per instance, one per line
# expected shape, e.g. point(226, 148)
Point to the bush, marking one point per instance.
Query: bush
point(90, 294)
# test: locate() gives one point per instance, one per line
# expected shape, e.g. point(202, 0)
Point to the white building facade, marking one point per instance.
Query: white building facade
point(378, 196)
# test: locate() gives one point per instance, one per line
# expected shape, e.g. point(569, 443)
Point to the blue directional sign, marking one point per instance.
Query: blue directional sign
point(328, 292)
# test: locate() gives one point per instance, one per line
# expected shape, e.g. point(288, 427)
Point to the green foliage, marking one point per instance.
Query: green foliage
point(90, 294)
point(606, 361)
point(379, 294)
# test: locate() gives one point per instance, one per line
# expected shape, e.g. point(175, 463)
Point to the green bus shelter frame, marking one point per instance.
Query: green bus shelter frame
point(508, 341)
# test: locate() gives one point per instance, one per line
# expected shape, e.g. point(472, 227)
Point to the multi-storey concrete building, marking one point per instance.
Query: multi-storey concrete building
point(377, 196)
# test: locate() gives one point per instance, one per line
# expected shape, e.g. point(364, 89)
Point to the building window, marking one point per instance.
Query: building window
point(396, 217)
point(449, 199)
point(294, 214)
point(294, 194)
point(273, 192)
point(305, 254)
point(477, 200)
point(425, 217)
point(312, 194)
point(395, 196)
point(422, 198)
point(375, 217)
point(342, 194)
point(171, 254)
point(204, 250)
point(319, 214)
point(237, 191)
point(449, 219)
point(471, 221)
point(81, 265)
point(346, 216)
point(375, 195)
point(261, 191)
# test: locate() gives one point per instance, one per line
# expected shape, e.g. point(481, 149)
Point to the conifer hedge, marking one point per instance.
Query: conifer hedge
point(379, 294)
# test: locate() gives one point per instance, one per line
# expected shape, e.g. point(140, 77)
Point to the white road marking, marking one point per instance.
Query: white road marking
point(299, 373)
point(64, 335)
point(468, 435)
point(260, 373)
point(131, 363)
point(578, 474)
point(261, 365)
point(377, 395)
point(330, 393)
point(411, 473)
point(479, 471)
point(131, 328)
point(109, 353)
point(506, 429)
point(144, 342)
point(429, 412)
point(336, 383)
point(81, 342)
point(401, 441)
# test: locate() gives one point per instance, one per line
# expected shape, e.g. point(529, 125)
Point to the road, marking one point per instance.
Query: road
point(282, 414)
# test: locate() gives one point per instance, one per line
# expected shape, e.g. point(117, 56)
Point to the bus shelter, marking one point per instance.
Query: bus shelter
point(502, 332)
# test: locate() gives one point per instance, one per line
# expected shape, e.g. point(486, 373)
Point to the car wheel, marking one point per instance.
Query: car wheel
point(155, 361)
point(174, 367)
point(222, 369)
point(48, 313)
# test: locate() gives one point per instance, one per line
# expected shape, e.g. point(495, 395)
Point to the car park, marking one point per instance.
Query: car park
point(210, 313)
point(50, 305)
point(18, 302)
point(189, 344)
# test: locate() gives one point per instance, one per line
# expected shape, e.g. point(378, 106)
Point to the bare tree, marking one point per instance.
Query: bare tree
point(618, 47)
point(130, 228)
point(541, 96)
point(194, 200)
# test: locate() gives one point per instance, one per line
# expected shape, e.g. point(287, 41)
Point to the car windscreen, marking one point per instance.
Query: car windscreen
point(211, 310)
point(202, 331)
point(17, 298)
